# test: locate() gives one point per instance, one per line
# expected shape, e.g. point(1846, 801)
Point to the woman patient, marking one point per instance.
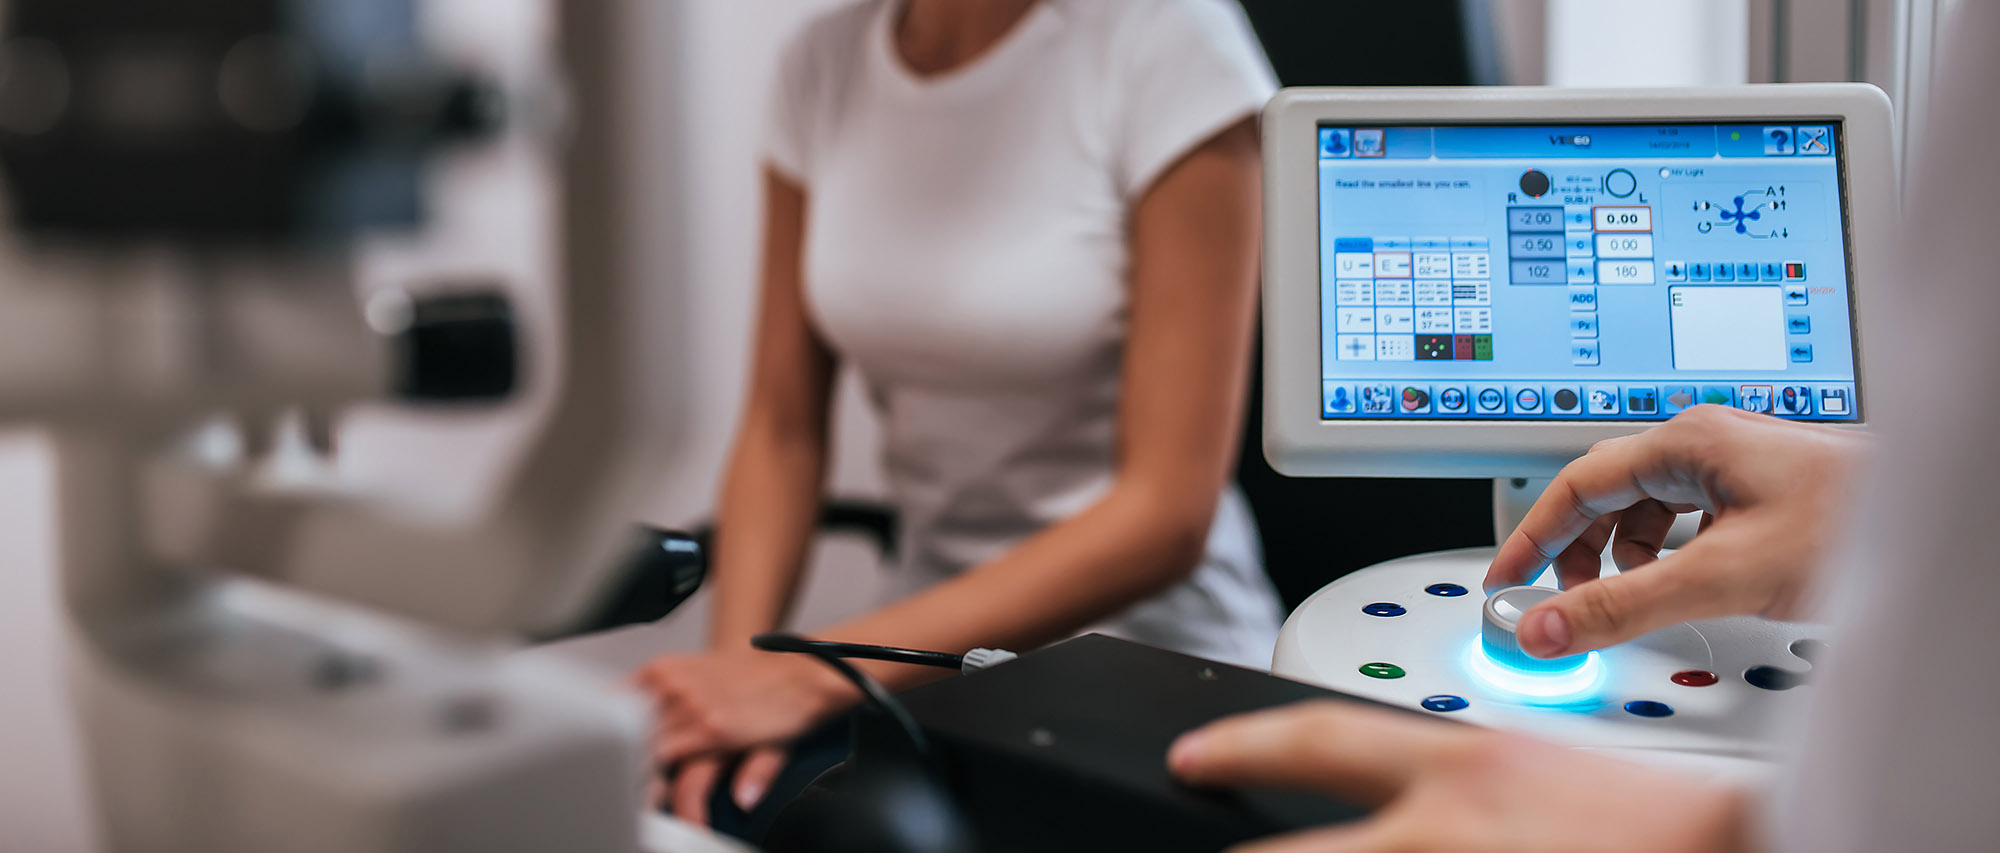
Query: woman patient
point(1031, 226)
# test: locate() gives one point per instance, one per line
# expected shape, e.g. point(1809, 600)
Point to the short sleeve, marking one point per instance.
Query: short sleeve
point(1185, 71)
point(786, 148)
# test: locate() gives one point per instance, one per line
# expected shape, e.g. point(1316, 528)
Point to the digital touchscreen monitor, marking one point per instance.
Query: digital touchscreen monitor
point(1584, 272)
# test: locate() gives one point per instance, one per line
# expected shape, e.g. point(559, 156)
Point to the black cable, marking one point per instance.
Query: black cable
point(831, 654)
point(782, 642)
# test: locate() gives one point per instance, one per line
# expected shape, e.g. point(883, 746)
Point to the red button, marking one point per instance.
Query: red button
point(1694, 678)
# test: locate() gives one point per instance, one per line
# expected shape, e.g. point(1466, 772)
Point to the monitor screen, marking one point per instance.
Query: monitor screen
point(1589, 272)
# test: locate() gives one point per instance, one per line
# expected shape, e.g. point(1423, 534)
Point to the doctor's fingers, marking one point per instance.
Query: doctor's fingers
point(1720, 573)
point(1345, 750)
point(1642, 532)
point(1655, 465)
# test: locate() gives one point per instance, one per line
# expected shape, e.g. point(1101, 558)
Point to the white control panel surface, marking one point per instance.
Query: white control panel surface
point(1707, 695)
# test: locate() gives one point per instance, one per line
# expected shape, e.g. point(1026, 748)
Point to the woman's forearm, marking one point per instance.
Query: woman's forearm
point(771, 490)
point(1124, 549)
point(770, 504)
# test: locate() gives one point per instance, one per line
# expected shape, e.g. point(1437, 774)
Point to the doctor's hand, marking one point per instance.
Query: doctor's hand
point(722, 707)
point(1773, 492)
point(1437, 786)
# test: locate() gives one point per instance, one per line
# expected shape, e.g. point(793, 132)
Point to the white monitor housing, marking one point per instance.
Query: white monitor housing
point(1485, 282)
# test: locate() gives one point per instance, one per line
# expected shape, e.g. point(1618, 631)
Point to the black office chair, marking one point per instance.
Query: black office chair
point(1316, 530)
point(872, 520)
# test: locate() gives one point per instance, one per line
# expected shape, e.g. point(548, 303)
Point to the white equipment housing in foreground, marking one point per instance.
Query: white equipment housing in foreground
point(267, 663)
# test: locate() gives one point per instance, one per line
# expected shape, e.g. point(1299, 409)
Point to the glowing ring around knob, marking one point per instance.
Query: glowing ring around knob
point(1560, 687)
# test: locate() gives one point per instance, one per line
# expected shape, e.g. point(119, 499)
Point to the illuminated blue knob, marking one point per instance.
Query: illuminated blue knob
point(1503, 612)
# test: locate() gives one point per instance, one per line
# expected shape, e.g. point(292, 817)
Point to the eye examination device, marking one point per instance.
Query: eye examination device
point(1484, 283)
point(265, 653)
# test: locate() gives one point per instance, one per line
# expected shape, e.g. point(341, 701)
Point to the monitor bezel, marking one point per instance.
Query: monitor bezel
point(1299, 442)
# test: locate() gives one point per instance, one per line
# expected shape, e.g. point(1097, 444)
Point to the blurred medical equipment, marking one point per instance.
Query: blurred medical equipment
point(265, 657)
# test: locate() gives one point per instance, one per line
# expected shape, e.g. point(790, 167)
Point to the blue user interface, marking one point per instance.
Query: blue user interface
point(1599, 272)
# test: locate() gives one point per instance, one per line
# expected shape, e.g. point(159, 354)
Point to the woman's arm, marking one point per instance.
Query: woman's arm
point(771, 490)
point(1194, 240)
point(1194, 285)
point(770, 499)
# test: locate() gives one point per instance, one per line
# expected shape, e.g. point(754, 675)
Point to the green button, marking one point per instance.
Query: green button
point(1379, 669)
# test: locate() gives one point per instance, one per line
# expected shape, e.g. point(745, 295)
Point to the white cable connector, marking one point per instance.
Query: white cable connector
point(979, 659)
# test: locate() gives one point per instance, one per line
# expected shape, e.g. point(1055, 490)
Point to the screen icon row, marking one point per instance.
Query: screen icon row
point(1806, 141)
point(1336, 142)
point(1638, 401)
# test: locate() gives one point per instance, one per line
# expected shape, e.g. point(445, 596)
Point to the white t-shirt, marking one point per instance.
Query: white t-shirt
point(967, 252)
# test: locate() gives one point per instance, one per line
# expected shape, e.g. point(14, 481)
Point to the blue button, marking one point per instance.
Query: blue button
point(1814, 141)
point(1801, 353)
point(1444, 702)
point(1778, 141)
point(1678, 398)
point(1642, 401)
point(1794, 400)
point(1649, 708)
point(1445, 590)
point(1334, 142)
point(1795, 295)
point(1384, 608)
point(1698, 271)
point(1798, 324)
point(1746, 271)
point(1725, 272)
point(1770, 271)
point(1583, 355)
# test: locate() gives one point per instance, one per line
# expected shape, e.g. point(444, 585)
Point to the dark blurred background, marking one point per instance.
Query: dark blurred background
point(1316, 530)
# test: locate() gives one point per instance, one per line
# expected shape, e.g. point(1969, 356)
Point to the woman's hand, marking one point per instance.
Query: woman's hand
point(714, 707)
point(1774, 492)
point(1438, 786)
